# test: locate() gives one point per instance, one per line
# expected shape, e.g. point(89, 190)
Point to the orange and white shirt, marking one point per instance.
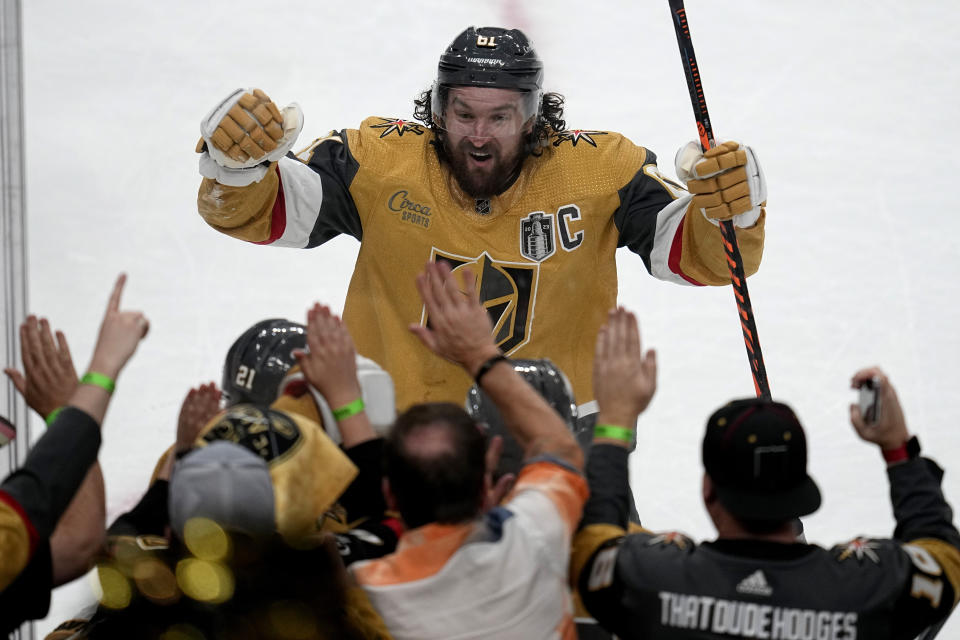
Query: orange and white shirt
point(501, 576)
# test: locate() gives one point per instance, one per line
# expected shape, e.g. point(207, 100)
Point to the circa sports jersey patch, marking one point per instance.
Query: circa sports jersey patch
point(398, 126)
point(573, 136)
point(507, 291)
point(410, 209)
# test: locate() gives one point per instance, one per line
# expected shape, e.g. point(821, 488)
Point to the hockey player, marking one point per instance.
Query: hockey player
point(756, 580)
point(489, 177)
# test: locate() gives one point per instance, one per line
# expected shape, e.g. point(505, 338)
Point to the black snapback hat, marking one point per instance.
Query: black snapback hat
point(755, 453)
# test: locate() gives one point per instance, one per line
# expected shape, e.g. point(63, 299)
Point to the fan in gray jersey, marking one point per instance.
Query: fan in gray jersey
point(755, 580)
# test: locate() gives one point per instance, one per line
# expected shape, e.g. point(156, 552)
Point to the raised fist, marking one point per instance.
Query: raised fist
point(244, 131)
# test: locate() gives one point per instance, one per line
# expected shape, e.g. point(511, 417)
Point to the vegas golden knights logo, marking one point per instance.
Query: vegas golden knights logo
point(268, 433)
point(507, 291)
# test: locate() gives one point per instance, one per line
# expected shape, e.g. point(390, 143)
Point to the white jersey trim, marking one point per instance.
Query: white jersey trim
point(668, 220)
point(302, 196)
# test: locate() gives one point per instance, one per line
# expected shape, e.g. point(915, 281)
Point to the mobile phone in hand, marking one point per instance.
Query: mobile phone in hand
point(870, 400)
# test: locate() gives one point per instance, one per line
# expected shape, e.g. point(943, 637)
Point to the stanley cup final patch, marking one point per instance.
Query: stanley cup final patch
point(536, 236)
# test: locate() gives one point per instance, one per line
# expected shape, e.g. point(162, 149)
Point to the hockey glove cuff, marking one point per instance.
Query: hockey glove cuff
point(245, 133)
point(726, 182)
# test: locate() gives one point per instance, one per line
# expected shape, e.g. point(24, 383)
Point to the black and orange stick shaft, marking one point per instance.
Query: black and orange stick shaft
point(734, 260)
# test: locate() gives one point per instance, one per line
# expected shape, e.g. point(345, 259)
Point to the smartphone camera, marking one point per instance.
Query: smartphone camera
point(870, 400)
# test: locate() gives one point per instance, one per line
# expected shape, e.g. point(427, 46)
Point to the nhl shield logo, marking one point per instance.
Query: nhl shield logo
point(536, 236)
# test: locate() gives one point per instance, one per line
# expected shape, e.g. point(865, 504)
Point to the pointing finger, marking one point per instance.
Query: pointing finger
point(114, 304)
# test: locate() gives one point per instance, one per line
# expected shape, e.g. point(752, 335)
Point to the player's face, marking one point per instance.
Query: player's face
point(485, 128)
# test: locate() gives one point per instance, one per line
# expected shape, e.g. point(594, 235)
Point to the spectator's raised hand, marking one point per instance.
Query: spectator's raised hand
point(459, 328)
point(624, 378)
point(199, 407)
point(330, 365)
point(120, 333)
point(890, 429)
point(49, 378)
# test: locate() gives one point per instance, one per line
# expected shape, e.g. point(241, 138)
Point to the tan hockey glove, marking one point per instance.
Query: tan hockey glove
point(726, 182)
point(243, 134)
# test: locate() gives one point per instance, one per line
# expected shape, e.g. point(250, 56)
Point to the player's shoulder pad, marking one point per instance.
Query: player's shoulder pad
point(673, 541)
point(384, 145)
point(392, 131)
point(593, 142)
point(646, 549)
point(861, 550)
point(591, 147)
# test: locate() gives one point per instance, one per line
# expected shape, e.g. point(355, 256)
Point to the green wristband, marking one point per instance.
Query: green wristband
point(98, 380)
point(349, 410)
point(53, 416)
point(614, 432)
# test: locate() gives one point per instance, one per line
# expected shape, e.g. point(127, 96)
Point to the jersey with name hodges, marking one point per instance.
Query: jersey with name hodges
point(749, 589)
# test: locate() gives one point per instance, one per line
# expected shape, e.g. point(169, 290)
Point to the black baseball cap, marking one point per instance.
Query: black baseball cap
point(755, 452)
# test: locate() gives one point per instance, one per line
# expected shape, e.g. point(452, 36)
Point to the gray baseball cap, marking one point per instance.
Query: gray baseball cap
point(226, 483)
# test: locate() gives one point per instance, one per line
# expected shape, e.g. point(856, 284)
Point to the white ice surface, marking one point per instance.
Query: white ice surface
point(851, 107)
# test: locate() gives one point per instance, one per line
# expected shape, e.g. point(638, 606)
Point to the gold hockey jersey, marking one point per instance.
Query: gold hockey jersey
point(543, 251)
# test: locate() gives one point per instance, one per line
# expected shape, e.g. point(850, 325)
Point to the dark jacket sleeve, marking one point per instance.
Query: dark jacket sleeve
point(28, 596)
point(925, 529)
point(363, 499)
point(608, 479)
point(150, 517)
point(54, 469)
point(919, 506)
point(38, 493)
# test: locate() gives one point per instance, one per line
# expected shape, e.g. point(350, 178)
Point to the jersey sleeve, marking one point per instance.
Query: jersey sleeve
point(33, 497)
point(28, 596)
point(928, 538)
point(302, 202)
point(604, 522)
point(676, 243)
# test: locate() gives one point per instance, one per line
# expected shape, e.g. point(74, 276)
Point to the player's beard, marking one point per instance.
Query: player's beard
point(486, 179)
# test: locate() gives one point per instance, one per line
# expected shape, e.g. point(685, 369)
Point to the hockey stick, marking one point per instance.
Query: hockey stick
point(734, 260)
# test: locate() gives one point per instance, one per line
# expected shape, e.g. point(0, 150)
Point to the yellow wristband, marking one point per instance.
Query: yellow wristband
point(614, 432)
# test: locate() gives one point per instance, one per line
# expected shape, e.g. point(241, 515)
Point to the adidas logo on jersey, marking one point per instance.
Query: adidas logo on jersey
point(755, 584)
